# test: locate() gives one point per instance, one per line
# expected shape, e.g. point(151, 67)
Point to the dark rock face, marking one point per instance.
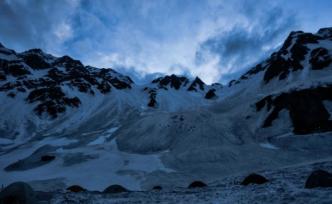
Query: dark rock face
point(233, 82)
point(104, 87)
point(46, 91)
point(320, 58)
point(16, 69)
point(210, 94)
point(68, 62)
point(18, 193)
point(197, 184)
point(280, 66)
point(107, 74)
point(35, 60)
point(173, 81)
point(292, 53)
point(76, 189)
point(51, 100)
point(254, 179)
point(258, 68)
point(306, 109)
point(319, 178)
point(119, 84)
point(152, 96)
point(115, 189)
point(196, 84)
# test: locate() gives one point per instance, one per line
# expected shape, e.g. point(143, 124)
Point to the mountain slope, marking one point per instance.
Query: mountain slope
point(276, 114)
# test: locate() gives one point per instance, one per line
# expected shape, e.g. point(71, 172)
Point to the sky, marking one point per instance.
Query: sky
point(217, 40)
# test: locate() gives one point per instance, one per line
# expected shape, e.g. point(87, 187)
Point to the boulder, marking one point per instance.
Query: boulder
point(18, 193)
point(197, 184)
point(157, 188)
point(115, 189)
point(254, 179)
point(76, 189)
point(47, 158)
point(319, 178)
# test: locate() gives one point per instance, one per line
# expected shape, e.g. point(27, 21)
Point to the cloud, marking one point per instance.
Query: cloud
point(63, 32)
point(246, 43)
point(214, 39)
point(32, 23)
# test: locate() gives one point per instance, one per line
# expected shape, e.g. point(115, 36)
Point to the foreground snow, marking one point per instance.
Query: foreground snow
point(286, 186)
point(93, 166)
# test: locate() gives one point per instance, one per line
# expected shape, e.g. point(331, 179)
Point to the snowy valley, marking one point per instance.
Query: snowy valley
point(63, 123)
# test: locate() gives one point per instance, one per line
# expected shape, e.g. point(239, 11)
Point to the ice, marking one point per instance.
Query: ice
point(268, 146)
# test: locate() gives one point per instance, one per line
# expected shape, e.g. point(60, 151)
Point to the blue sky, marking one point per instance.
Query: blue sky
point(216, 40)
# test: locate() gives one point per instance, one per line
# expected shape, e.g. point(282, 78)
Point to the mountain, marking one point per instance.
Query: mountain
point(50, 90)
point(97, 123)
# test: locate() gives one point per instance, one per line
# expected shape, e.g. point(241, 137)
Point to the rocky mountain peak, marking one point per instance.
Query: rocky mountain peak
point(196, 85)
point(172, 81)
point(292, 54)
point(325, 32)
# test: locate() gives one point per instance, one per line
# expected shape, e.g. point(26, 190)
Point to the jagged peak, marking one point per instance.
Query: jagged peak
point(196, 82)
point(37, 51)
point(68, 62)
point(288, 57)
point(173, 81)
point(66, 58)
point(109, 72)
point(325, 32)
point(34, 50)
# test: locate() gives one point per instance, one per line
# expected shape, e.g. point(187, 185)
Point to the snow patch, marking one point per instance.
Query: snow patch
point(268, 146)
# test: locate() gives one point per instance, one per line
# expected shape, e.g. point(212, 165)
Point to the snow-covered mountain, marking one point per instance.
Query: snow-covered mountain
point(98, 124)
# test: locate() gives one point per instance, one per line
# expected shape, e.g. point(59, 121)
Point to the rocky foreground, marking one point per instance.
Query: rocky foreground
point(305, 183)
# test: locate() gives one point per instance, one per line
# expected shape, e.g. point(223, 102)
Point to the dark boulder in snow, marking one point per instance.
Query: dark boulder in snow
point(197, 184)
point(157, 188)
point(18, 193)
point(254, 179)
point(76, 189)
point(319, 178)
point(115, 189)
point(47, 158)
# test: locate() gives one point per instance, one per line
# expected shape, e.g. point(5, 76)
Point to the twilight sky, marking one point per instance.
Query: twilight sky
point(214, 39)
